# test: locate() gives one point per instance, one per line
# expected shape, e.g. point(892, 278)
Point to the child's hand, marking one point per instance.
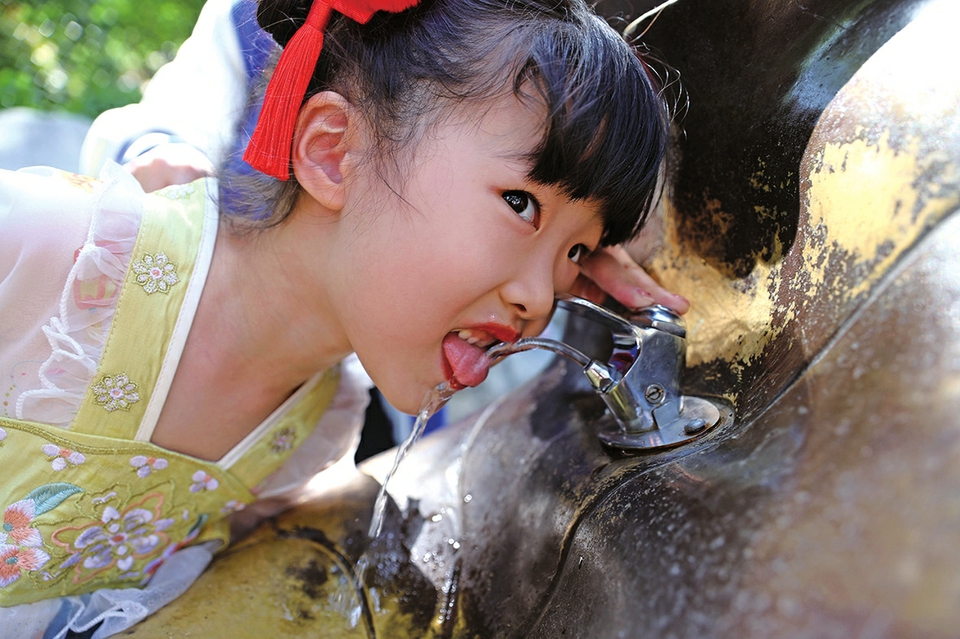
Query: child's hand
point(167, 164)
point(611, 270)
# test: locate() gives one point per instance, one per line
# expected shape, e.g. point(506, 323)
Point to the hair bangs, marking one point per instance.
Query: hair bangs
point(606, 130)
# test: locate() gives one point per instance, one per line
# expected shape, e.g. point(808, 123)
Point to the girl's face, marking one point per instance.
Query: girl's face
point(469, 254)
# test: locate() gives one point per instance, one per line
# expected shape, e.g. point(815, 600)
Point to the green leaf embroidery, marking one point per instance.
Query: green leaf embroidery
point(201, 520)
point(49, 496)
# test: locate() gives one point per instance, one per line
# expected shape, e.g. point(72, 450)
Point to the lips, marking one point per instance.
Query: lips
point(465, 353)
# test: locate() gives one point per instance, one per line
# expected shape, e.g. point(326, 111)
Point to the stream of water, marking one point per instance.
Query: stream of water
point(432, 402)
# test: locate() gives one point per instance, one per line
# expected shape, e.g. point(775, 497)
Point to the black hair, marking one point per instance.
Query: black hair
point(606, 127)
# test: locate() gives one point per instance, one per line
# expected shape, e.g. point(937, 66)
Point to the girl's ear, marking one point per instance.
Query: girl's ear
point(323, 146)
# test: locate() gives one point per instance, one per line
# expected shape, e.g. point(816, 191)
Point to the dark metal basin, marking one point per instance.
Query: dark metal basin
point(811, 216)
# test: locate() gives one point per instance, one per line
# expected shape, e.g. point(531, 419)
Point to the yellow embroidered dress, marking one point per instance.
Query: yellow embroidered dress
point(98, 287)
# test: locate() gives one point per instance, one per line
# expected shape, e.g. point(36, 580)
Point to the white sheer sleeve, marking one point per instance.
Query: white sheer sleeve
point(64, 248)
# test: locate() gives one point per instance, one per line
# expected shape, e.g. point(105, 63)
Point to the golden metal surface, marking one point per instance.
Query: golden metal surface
point(880, 170)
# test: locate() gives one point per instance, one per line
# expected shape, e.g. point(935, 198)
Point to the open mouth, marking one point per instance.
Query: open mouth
point(464, 353)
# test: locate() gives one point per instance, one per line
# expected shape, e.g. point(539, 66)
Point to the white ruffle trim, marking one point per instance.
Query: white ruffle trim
point(88, 302)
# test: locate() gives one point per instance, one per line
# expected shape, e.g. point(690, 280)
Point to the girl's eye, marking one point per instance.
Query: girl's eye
point(577, 253)
point(524, 204)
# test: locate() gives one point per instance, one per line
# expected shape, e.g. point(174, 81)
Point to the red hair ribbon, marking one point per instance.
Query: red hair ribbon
point(269, 147)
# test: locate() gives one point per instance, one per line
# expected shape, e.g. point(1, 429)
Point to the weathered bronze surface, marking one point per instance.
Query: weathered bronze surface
point(811, 215)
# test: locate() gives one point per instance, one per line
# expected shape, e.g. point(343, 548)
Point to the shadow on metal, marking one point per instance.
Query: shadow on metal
point(810, 215)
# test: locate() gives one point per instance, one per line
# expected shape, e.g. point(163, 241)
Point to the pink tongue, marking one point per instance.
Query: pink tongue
point(468, 362)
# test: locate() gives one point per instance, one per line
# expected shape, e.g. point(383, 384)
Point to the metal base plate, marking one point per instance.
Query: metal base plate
point(697, 417)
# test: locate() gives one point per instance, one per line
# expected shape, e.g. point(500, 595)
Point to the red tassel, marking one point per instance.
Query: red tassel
point(362, 10)
point(269, 147)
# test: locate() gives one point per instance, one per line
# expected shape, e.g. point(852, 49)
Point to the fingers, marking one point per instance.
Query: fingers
point(588, 289)
point(612, 270)
point(167, 164)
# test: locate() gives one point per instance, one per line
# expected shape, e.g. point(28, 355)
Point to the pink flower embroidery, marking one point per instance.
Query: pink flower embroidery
point(233, 506)
point(62, 456)
point(203, 481)
point(115, 392)
point(283, 440)
point(13, 559)
point(19, 541)
point(146, 465)
point(155, 273)
point(16, 525)
point(118, 539)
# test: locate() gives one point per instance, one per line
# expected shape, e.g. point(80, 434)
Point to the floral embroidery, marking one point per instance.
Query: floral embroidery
point(19, 541)
point(117, 539)
point(153, 564)
point(155, 273)
point(203, 481)
point(146, 465)
point(62, 457)
point(283, 440)
point(104, 498)
point(232, 506)
point(116, 392)
point(3, 436)
point(179, 191)
point(16, 524)
point(13, 559)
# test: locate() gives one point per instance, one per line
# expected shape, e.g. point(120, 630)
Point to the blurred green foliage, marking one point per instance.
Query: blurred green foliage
point(86, 56)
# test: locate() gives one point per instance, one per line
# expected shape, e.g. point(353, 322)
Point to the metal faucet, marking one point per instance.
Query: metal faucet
point(641, 382)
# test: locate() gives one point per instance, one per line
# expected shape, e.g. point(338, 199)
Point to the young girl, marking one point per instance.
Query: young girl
point(451, 167)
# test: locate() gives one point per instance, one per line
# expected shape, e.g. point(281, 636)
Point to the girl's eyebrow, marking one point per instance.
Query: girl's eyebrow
point(523, 160)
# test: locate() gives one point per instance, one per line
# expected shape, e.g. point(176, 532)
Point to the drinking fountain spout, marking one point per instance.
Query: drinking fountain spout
point(641, 381)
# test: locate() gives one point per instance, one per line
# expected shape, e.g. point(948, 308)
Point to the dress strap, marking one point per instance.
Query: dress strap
point(269, 446)
point(155, 308)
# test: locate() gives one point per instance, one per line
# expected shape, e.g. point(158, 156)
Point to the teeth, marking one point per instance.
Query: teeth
point(472, 338)
point(468, 336)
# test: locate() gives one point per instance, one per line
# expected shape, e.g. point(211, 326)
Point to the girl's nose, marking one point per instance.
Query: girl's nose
point(530, 294)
